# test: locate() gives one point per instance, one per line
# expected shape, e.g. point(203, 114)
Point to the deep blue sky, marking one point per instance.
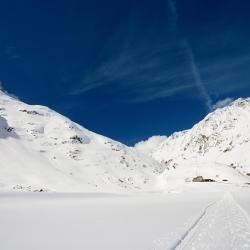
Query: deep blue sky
point(126, 69)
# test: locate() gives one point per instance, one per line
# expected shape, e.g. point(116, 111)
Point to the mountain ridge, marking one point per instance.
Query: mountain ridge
point(43, 150)
point(221, 138)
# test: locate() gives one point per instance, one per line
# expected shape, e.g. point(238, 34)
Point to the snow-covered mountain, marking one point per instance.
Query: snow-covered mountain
point(218, 147)
point(41, 149)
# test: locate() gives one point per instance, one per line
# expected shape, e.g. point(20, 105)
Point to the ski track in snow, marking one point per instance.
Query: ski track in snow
point(223, 225)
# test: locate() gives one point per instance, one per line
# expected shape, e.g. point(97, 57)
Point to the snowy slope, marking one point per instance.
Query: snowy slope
point(41, 149)
point(217, 147)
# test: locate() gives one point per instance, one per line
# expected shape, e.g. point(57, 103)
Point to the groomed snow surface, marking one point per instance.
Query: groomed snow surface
point(204, 216)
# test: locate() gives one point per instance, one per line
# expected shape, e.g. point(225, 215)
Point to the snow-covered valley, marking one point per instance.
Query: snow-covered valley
point(65, 187)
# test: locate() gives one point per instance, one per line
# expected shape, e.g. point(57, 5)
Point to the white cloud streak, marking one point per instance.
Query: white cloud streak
point(197, 78)
point(164, 92)
point(223, 103)
point(148, 74)
point(145, 72)
point(191, 59)
point(172, 15)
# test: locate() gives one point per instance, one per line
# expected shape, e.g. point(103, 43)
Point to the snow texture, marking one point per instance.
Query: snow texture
point(214, 217)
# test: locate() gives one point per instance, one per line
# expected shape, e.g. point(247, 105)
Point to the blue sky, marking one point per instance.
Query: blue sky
point(126, 69)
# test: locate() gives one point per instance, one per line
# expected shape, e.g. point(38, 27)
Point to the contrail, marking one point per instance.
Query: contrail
point(172, 15)
point(197, 77)
point(173, 19)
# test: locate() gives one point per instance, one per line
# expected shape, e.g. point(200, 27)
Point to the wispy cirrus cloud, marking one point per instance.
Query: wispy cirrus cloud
point(142, 72)
point(165, 71)
point(12, 53)
point(146, 70)
point(172, 15)
point(190, 57)
point(157, 93)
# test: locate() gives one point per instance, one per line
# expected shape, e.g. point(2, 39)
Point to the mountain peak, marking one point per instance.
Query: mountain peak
point(241, 102)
